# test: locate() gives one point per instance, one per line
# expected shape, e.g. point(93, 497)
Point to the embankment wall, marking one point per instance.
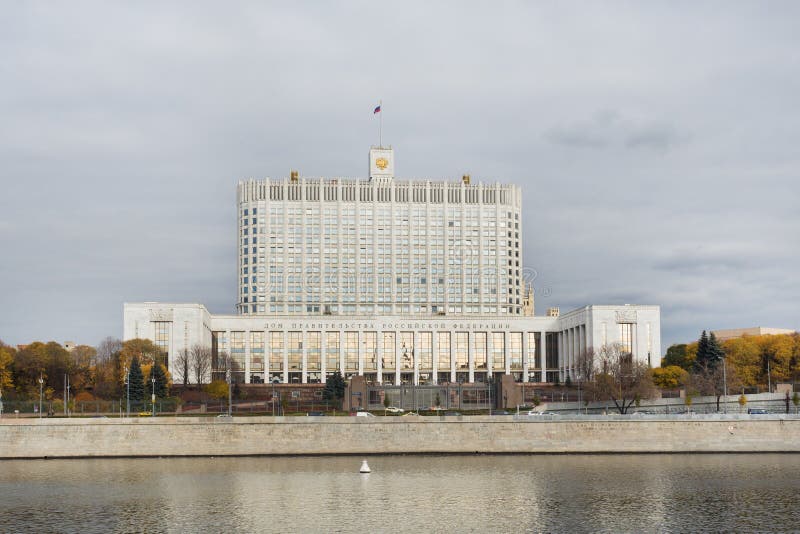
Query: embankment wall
point(65, 438)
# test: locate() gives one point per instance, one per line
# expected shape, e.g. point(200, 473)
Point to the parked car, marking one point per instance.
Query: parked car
point(364, 414)
point(757, 411)
point(499, 412)
point(409, 413)
point(394, 409)
point(452, 413)
point(534, 412)
point(315, 414)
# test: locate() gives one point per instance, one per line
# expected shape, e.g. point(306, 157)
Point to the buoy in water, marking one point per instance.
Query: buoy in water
point(364, 467)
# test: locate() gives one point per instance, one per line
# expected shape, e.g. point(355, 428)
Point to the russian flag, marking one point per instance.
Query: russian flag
point(377, 110)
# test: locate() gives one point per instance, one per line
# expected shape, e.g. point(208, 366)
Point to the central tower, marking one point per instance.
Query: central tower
point(381, 164)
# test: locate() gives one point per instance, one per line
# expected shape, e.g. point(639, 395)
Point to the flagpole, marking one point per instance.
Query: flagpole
point(380, 124)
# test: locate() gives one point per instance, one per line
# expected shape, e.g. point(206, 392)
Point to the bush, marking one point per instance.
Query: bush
point(84, 396)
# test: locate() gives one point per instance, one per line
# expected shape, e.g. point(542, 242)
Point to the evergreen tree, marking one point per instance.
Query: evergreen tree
point(157, 372)
point(715, 351)
point(136, 379)
point(701, 361)
point(709, 353)
point(334, 388)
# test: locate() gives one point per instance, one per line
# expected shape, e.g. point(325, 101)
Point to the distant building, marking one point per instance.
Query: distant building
point(398, 281)
point(732, 333)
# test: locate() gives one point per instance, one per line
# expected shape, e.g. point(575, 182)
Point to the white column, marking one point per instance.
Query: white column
point(304, 360)
point(396, 358)
point(323, 343)
point(415, 353)
point(247, 362)
point(452, 350)
point(360, 353)
point(507, 349)
point(379, 355)
point(435, 355)
point(525, 363)
point(541, 349)
point(489, 354)
point(341, 352)
point(471, 355)
point(285, 357)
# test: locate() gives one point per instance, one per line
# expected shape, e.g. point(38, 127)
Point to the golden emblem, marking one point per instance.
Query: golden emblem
point(381, 163)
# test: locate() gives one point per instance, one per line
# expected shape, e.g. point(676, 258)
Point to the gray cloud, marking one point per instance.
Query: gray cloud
point(608, 129)
point(654, 150)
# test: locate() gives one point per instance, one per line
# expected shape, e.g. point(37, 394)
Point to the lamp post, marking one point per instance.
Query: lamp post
point(725, 386)
point(41, 385)
point(128, 392)
point(153, 397)
point(66, 394)
point(228, 378)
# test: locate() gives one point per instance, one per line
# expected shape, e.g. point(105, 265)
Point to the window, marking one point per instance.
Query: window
point(462, 350)
point(498, 351)
point(256, 351)
point(626, 338)
point(443, 345)
point(161, 339)
point(388, 350)
point(351, 351)
point(331, 352)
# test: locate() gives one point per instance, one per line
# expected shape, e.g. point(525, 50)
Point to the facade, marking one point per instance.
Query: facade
point(401, 282)
point(732, 333)
point(379, 246)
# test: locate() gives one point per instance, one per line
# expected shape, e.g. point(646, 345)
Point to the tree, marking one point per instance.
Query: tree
point(83, 360)
point(6, 363)
point(182, 365)
point(669, 377)
point(711, 381)
point(106, 383)
point(136, 379)
point(107, 348)
point(144, 350)
point(677, 355)
point(334, 388)
point(386, 402)
point(742, 402)
point(795, 401)
point(217, 389)
point(705, 358)
point(708, 377)
point(585, 365)
point(201, 363)
point(160, 387)
point(621, 379)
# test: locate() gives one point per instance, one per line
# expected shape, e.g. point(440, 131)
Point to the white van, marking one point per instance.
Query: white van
point(364, 414)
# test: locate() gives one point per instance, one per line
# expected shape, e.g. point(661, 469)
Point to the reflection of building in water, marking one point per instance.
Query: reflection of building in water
point(398, 281)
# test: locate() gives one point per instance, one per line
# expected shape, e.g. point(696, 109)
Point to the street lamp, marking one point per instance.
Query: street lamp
point(153, 398)
point(128, 392)
point(228, 378)
point(41, 384)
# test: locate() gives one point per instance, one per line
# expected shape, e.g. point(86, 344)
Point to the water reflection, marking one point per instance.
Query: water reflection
point(634, 493)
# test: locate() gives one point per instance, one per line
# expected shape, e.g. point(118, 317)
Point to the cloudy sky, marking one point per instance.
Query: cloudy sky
point(656, 144)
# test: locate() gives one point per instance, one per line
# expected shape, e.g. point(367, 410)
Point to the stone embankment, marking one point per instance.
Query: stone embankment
point(76, 438)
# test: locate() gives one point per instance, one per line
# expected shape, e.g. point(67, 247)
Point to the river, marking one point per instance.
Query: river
point(486, 493)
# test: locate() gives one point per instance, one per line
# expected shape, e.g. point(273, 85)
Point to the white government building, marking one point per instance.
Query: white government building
point(403, 282)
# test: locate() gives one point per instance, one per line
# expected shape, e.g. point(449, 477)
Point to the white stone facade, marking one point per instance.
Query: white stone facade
point(400, 349)
point(379, 246)
point(400, 281)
